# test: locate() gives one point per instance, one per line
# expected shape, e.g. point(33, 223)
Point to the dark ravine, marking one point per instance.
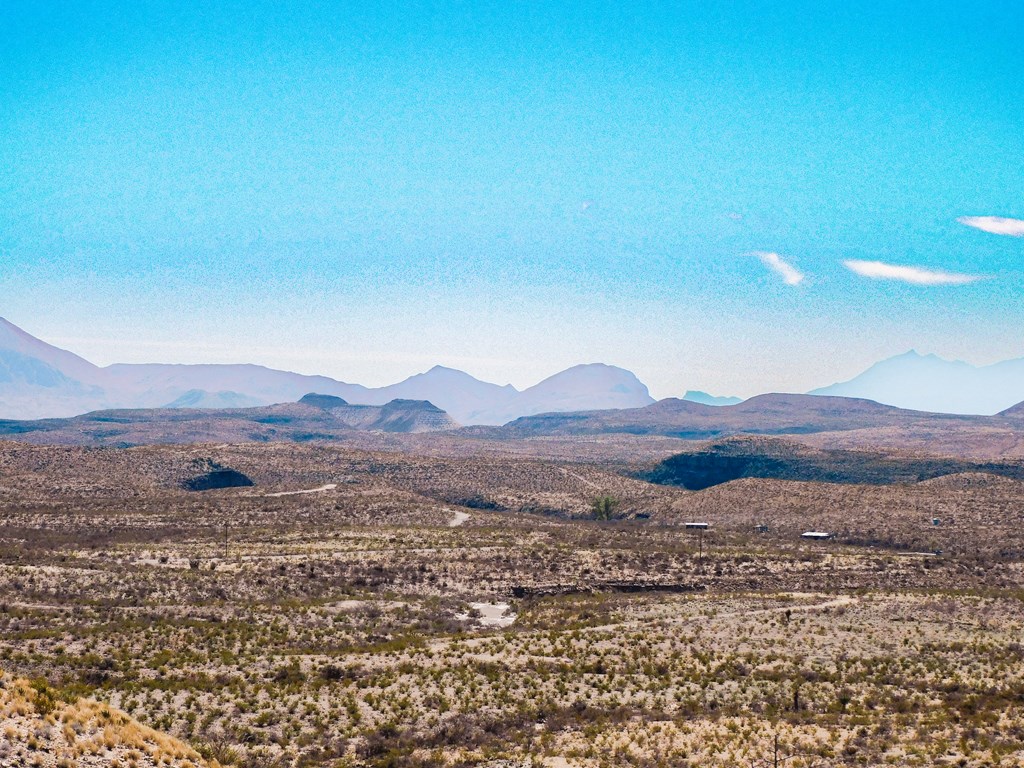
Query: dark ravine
point(218, 478)
point(760, 457)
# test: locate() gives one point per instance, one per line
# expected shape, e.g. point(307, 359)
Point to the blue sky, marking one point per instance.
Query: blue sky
point(364, 190)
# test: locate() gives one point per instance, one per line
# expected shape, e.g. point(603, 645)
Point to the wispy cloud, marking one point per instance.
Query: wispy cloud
point(790, 274)
point(997, 225)
point(879, 270)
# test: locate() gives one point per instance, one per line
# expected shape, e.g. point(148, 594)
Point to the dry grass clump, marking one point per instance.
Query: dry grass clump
point(40, 727)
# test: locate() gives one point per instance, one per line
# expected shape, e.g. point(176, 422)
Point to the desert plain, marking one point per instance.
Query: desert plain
point(447, 600)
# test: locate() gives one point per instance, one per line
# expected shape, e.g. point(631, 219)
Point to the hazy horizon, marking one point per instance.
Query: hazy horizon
point(742, 200)
point(528, 384)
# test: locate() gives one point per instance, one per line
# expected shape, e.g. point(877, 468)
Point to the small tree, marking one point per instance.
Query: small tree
point(603, 507)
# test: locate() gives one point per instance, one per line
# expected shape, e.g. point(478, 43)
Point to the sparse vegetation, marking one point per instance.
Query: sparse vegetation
point(603, 507)
point(352, 626)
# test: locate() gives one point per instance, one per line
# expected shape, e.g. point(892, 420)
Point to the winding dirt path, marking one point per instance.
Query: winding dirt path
point(321, 489)
point(835, 602)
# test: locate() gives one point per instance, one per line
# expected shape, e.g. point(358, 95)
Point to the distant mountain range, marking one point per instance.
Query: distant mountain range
point(819, 421)
point(825, 422)
point(313, 417)
point(696, 396)
point(774, 414)
point(38, 380)
point(930, 383)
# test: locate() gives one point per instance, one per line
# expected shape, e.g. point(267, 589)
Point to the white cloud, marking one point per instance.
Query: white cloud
point(997, 225)
point(879, 270)
point(790, 274)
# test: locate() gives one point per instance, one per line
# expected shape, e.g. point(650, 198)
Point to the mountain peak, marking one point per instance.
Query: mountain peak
point(932, 383)
point(584, 387)
point(696, 396)
point(452, 376)
point(326, 402)
point(913, 355)
point(595, 368)
point(68, 364)
point(441, 370)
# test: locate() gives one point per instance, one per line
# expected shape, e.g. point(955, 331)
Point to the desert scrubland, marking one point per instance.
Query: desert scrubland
point(460, 607)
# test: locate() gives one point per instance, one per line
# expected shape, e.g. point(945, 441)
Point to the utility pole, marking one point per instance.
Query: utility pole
point(225, 539)
point(700, 528)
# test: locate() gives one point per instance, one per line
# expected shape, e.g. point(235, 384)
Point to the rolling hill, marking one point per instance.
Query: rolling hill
point(773, 414)
point(314, 417)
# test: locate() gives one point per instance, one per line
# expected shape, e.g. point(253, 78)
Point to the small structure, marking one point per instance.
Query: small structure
point(761, 528)
point(818, 535)
point(699, 528)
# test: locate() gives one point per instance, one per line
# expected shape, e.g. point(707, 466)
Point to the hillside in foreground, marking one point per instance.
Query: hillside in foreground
point(42, 726)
